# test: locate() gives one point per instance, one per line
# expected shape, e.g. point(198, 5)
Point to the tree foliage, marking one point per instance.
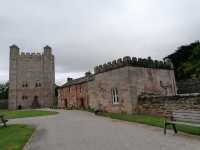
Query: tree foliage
point(186, 60)
point(4, 91)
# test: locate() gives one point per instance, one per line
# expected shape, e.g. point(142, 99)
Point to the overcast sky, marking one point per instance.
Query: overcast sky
point(85, 33)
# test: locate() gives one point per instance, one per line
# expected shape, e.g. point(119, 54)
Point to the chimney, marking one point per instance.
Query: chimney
point(87, 74)
point(69, 79)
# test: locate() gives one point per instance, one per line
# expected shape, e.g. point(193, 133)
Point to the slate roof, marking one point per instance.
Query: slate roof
point(78, 81)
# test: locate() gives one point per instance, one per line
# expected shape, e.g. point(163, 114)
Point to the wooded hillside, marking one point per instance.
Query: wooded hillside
point(186, 60)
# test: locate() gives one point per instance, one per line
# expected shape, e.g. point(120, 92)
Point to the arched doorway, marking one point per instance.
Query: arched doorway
point(35, 103)
point(19, 107)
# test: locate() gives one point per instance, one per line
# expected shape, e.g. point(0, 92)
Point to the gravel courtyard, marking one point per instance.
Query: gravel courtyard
point(78, 130)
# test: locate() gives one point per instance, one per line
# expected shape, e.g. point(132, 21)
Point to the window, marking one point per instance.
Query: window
point(38, 84)
point(24, 97)
point(25, 84)
point(115, 97)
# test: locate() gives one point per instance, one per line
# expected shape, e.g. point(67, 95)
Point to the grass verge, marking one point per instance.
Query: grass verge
point(151, 120)
point(14, 137)
point(25, 113)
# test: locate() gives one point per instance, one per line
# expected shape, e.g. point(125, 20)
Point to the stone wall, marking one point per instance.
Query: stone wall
point(31, 78)
point(130, 82)
point(99, 91)
point(129, 78)
point(164, 105)
point(188, 86)
point(74, 94)
point(135, 62)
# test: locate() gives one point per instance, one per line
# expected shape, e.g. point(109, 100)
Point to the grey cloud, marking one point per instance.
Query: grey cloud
point(85, 33)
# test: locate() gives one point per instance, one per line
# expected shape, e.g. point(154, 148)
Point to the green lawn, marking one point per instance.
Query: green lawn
point(14, 137)
point(151, 120)
point(25, 113)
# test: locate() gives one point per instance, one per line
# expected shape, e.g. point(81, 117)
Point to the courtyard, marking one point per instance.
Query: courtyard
point(73, 130)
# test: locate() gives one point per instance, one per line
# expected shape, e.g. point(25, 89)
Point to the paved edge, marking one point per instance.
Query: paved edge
point(27, 146)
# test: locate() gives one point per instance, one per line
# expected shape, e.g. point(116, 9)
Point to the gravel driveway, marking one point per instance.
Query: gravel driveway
point(77, 130)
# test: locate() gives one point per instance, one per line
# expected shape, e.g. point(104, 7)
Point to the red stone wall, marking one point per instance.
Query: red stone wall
point(74, 96)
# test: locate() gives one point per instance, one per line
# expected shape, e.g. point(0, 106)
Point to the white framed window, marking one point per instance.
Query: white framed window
point(115, 97)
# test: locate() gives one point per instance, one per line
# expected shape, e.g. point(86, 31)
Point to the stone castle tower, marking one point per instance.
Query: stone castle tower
point(31, 78)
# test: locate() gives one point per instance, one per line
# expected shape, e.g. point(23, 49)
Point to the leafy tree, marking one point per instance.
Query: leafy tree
point(4, 90)
point(186, 60)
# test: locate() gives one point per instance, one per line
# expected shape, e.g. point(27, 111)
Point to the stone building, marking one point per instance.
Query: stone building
point(116, 86)
point(74, 94)
point(31, 79)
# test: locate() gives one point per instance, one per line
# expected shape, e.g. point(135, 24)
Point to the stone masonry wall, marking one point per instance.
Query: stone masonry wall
point(32, 78)
point(129, 78)
point(130, 82)
point(99, 91)
point(163, 106)
point(73, 96)
point(135, 62)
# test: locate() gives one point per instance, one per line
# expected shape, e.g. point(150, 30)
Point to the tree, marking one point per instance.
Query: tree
point(4, 90)
point(186, 60)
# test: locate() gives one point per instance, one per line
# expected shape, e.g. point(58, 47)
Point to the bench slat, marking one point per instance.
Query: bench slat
point(185, 123)
point(184, 114)
point(187, 120)
point(187, 111)
point(187, 117)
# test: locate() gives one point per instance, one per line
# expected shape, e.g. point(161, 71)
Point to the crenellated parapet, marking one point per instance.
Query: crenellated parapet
point(27, 54)
point(15, 52)
point(135, 62)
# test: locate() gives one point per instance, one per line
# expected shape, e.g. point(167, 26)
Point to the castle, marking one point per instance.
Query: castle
point(31, 79)
point(115, 86)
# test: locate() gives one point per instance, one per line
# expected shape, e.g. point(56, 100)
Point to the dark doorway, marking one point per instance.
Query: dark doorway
point(19, 107)
point(35, 103)
point(66, 103)
point(82, 104)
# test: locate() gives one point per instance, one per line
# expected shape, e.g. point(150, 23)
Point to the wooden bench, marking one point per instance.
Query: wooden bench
point(3, 120)
point(182, 117)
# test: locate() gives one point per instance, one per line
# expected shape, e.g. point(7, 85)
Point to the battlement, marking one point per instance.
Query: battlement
point(15, 51)
point(135, 62)
point(27, 54)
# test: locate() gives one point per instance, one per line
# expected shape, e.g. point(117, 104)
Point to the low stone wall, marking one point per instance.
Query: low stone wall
point(188, 86)
point(163, 106)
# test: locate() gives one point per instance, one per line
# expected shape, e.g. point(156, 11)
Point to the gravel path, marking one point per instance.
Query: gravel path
point(77, 130)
